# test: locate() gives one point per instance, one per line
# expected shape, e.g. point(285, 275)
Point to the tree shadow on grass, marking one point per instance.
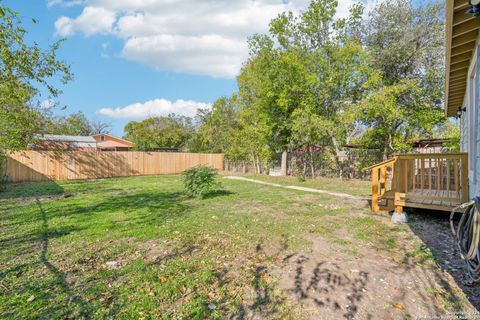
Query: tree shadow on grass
point(127, 215)
point(218, 193)
point(133, 210)
point(26, 239)
point(84, 309)
point(31, 190)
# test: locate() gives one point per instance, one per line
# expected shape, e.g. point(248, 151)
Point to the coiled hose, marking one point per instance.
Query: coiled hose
point(467, 236)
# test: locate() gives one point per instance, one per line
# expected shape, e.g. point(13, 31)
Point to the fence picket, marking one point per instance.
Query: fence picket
point(71, 165)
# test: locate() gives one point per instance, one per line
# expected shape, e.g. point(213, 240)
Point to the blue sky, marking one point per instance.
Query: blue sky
point(132, 59)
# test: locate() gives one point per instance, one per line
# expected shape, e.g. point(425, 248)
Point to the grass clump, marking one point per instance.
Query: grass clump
point(200, 181)
point(421, 255)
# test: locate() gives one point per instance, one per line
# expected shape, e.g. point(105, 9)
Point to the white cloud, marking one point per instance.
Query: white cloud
point(65, 3)
point(91, 21)
point(205, 37)
point(207, 54)
point(154, 108)
point(47, 104)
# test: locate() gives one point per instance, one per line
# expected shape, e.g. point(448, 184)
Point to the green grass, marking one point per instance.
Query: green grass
point(179, 258)
point(354, 187)
point(422, 255)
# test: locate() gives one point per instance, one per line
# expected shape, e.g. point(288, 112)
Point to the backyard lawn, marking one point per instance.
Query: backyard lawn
point(355, 187)
point(137, 247)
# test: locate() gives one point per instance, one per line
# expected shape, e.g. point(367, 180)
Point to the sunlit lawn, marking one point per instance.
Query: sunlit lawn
point(170, 256)
point(354, 187)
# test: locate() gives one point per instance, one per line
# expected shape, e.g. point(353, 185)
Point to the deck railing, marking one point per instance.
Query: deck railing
point(433, 181)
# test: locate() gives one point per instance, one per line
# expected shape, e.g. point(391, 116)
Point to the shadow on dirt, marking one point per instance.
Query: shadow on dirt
point(433, 227)
point(327, 285)
point(319, 284)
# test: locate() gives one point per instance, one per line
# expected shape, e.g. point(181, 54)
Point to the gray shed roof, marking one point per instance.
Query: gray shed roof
point(62, 138)
point(73, 141)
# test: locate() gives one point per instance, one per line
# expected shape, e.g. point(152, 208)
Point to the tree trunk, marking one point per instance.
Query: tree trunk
point(304, 162)
point(337, 155)
point(283, 170)
point(312, 164)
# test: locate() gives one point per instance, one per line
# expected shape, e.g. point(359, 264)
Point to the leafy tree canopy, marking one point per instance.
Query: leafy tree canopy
point(23, 69)
point(172, 131)
point(76, 124)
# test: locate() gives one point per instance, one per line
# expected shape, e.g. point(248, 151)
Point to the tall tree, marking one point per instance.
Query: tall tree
point(99, 126)
point(406, 41)
point(172, 131)
point(23, 68)
point(217, 126)
point(308, 64)
point(76, 124)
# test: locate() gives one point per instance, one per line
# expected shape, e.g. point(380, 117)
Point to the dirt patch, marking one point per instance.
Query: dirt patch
point(434, 230)
point(154, 250)
point(329, 284)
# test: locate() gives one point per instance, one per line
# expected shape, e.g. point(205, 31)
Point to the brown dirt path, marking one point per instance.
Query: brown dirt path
point(327, 281)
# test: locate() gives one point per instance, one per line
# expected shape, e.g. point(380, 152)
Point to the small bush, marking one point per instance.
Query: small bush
point(298, 172)
point(200, 181)
point(301, 177)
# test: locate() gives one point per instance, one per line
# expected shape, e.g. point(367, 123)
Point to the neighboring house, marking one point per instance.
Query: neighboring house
point(430, 145)
point(108, 142)
point(462, 87)
point(103, 142)
point(61, 142)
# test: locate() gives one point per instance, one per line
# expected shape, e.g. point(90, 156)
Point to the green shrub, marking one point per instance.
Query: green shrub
point(301, 177)
point(200, 181)
point(298, 172)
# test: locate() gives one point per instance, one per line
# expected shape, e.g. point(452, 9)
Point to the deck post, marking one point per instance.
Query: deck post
point(398, 215)
point(375, 207)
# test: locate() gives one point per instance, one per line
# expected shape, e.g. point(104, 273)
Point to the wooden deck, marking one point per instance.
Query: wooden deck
point(430, 181)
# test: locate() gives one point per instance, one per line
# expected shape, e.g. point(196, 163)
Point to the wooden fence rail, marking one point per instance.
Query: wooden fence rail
point(71, 165)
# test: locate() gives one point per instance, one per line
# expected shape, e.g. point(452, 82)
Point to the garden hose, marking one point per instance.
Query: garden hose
point(467, 236)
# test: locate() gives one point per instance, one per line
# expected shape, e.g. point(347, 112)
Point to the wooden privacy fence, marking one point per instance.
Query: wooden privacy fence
point(70, 165)
point(436, 181)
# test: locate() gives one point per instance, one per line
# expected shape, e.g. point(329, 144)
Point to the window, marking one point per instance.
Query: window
point(102, 138)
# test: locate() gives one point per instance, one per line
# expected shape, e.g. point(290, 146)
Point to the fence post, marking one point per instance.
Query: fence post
point(283, 170)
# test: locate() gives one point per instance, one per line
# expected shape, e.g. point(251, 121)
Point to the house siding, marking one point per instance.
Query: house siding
point(470, 139)
point(110, 142)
